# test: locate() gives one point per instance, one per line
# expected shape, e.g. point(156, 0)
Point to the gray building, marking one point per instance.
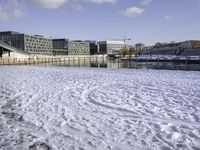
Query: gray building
point(78, 48)
point(191, 47)
point(111, 47)
point(60, 46)
point(34, 44)
point(139, 46)
point(93, 47)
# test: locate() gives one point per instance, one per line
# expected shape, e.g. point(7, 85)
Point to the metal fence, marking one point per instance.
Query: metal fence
point(105, 62)
point(68, 61)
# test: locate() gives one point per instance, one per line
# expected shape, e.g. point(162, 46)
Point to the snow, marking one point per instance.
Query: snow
point(66, 108)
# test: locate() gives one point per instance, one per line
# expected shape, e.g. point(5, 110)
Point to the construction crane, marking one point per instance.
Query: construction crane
point(125, 39)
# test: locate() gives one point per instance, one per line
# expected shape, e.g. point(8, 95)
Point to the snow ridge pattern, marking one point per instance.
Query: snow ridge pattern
point(43, 108)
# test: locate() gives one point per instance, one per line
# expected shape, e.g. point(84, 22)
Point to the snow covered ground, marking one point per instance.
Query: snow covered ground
point(64, 108)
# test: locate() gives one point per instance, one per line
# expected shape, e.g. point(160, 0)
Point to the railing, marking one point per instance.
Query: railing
point(68, 61)
point(102, 61)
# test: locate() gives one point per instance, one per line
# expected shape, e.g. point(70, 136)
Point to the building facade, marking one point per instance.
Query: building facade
point(111, 47)
point(34, 44)
point(186, 48)
point(78, 48)
point(14, 39)
point(38, 44)
point(60, 46)
point(93, 47)
point(139, 46)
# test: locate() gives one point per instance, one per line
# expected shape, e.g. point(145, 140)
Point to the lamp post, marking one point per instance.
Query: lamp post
point(126, 39)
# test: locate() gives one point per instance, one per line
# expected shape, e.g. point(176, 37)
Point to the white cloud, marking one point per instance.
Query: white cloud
point(11, 9)
point(100, 1)
point(168, 17)
point(132, 11)
point(146, 2)
point(76, 6)
point(52, 4)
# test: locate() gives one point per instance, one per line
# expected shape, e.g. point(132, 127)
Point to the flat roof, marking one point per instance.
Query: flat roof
point(112, 42)
point(9, 32)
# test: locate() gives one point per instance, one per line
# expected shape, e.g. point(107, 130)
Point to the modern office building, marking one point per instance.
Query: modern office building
point(34, 44)
point(111, 47)
point(13, 39)
point(78, 48)
point(191, 47)
point(93, 47)
point(192, 44)
point(60, 46)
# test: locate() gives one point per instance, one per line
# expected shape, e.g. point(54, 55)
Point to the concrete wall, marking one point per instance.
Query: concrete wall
point(14, 55)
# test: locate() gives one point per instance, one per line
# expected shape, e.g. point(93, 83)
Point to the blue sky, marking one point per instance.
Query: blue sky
point(145, 21)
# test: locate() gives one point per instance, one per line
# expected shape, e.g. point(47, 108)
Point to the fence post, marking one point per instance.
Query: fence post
point(110, 63)
point(136, 61)
point(186, 62)
point(78, 62)
point(38, 61)
point(103, 60)
point(118, 62)
point(97, 62)
point(146, 63)
point(84, 61)
point(69, 61)
point(171, 59)
point(128, 62)
point(158, 62)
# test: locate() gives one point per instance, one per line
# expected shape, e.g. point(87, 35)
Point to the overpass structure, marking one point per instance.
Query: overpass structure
point(8, 48)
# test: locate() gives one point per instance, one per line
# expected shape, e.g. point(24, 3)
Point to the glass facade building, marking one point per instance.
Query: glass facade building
point(34, 44)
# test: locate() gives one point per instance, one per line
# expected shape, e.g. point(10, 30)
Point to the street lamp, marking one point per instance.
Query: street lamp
point(126, 39)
